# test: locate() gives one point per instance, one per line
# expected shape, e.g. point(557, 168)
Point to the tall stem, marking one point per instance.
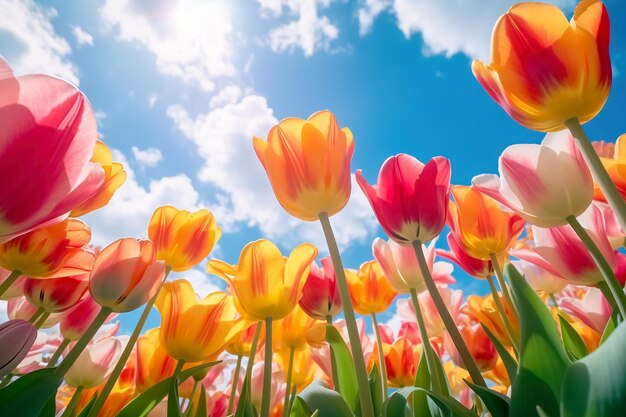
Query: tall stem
point(288, 387)
point(253, 348)
point(36, 316)
point(505, 319)
point(427, 348)
point(10, 280)
point(69, 409)
point(193, 392)
point(453, 331)
point(381, 357)
point(57, 353)
point(41, 320)
point(365, 396)
point(179, 367)
point(121, 362)
point(333, 362)
point(613, 197)
point(604, 267)
point(502, 282)
point(267, 370)
point(233, 388)
point(84, 340)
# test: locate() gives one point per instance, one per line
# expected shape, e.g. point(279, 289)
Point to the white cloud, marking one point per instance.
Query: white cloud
point(369, 11)
point(191, 39)
point(152, 99)
point(227, 95)
point(224, 140)
point(309, 31)
point(30, 43)
point(149, 157)
point(82, 37)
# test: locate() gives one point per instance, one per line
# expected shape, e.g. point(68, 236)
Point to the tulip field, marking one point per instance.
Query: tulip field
point(297, 333)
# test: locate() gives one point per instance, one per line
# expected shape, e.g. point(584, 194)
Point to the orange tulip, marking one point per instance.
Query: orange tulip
point(401, 359)
point(308, 164)
point(183, 239)
point(482, 350)
point(114, 178)
point(49, 250)
point(153, 362)
point(615, 164)
point(242, 345)
point(484, 309)
point(290, 332)
point(480, 226)
point(534, 74)
point(370, 289)
point(303, 369)
point(192, 330)
point(266, 284)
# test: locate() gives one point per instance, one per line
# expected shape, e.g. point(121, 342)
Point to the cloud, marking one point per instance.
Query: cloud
point(368, 12)
point(82, 37)
point(202, 283)
point(30, 43)
point(223, 138)
point(149, 157)
point(228, 94)
point(152, 99)
point(191, 39)
point(309, 32)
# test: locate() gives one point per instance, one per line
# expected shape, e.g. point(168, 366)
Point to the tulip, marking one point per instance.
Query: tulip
point(21, 308)
point(477, 268)
point(370, 291)
point(303, 368)
point(615, 164)
point(539, 278)
point(56, 294)
point(320, 294)
point(614, 232)
point(153, 362)
point(114, 178)
point(16, 339)
point(481, 348)
point(94, 363)
point(308, 164)
point(14, 289)
point(410, 199)
point(123, 391)
point(194, 331)
point(401, 359)
point(433, 321)
point(593, 309)
point(126, 275)
point(534, 75)
point(544, 184)
point(76, 321)
point(182, 239)
point(290, 332)
point(266, 284)
point(49, 250)
point(484, 310)
point(401, 268)
point(242, 345)
point(456, 380)
point(49, 137)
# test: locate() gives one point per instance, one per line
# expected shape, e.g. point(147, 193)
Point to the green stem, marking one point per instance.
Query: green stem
point(333, 362)
point(381, 357)
point(10, 280)
point(190, 405)
point(365, 396)
point(233, 388)
point(36, 316)
point(288, 387)
point(502, 282)
point(253, 348)
point(121, 362)
point(505, 319)
point(554, 301)
point(57, 354)
point(42, 320)
point(427, 348)
point(453, 331)
point(179, 367)
point(5, 381)
point(69, 410)
point(606, 292)
point(604, 267)
point(84, 340)
point(267, 370)
point(613, 197)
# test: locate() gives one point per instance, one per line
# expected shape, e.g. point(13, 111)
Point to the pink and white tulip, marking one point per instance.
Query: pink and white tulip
point(21, 308)
point(593, 310)
point(539, 278)
point(434, 324)
point(94, 363)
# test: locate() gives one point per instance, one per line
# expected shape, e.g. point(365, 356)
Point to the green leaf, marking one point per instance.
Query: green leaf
point(300, 409)
point(422, 380)
point(202, 411)
point(29, 395)
point(50, 409)
point(244, 405)
point(376, 388)
point(396, 404)
point(595, 386)
point(346, 374)
point(496, 403)
point(542, 358)
point(325, 401)
point(173, 404)
point(574, 344)
point(510, 364)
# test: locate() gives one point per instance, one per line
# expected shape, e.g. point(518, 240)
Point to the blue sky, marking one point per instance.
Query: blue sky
point(180, 87)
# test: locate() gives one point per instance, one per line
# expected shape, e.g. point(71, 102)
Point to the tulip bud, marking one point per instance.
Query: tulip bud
point(16, 339)
point(320, 294)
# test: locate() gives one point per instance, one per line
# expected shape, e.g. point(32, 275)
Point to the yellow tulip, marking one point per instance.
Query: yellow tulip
point(153, 362)
point(370, 289)
point(291, 332)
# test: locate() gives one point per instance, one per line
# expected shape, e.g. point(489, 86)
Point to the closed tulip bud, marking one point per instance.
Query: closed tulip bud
point(320, 294)
point(114, 178)
point(370, 291)
point(126, 275)
point(76, 321)
point(192, 330)
point(544, 184)
point(308, 164)
point(480, 226)
point(482, 350)
point(49, 250)
point(94, 363)
point(182, 239)
point(153, 362)
point(16, 339)
point(534, 75)
point(477, 268)
point(15, 290)
point(410, 199)
point(56, 294)
point(242, 345)
point(615, 165)
point(264, 283)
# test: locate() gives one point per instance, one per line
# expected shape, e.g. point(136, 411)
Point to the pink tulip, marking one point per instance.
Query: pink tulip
point(561, 252)
point(539, 278)
point(15, 290)
point(21, 308)
point(477, 268)
point(410, 199)
point(401, 269)
point(320, 294)
point(56, 294)
point(434, 324)
point(593, 310)
point(126, 275)
point(94, 363)
point(16, 339)
point(47, 137)
point(613, 231)
point(45, 344)
point(76, 321)
point(544, 184)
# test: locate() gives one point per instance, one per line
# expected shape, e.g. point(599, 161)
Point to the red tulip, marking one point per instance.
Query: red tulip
point(56, 294)
point(320, 294)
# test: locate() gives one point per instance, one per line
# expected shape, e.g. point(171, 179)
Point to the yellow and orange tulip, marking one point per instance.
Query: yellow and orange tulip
point(242, 345)
point(370, 289)
point(615, 164)
point(154, 364)
point(484, 309)
point(291, 332)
